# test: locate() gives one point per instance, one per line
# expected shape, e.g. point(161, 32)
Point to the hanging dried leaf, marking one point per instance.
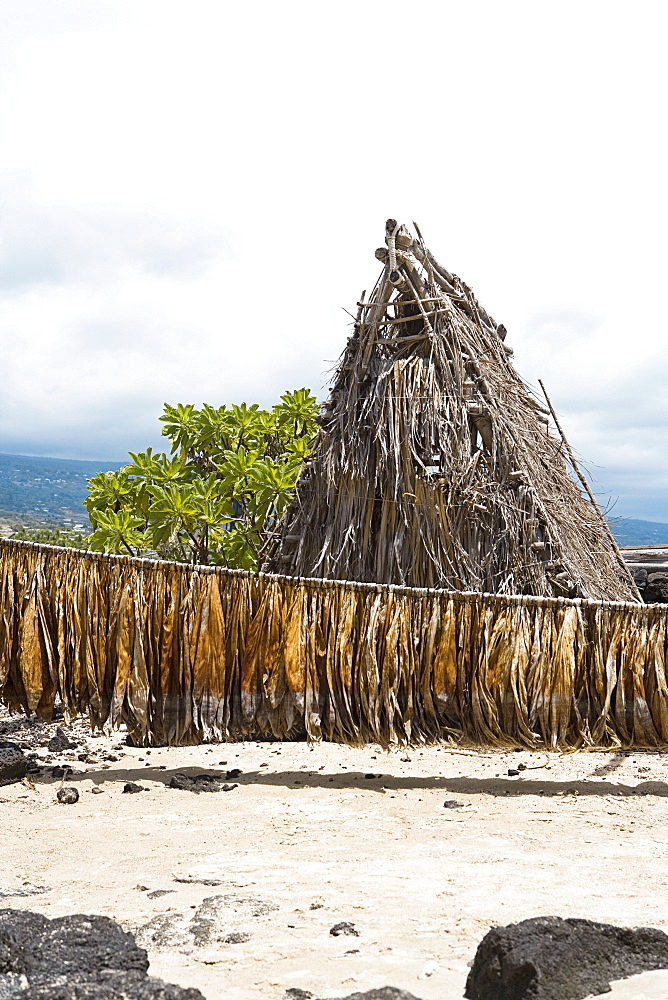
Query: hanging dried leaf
point(182, 654)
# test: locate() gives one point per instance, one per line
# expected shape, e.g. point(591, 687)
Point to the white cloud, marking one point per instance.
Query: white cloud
point(192, 192)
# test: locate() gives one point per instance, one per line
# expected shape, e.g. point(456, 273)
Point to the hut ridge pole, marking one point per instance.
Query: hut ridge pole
point(590, 492)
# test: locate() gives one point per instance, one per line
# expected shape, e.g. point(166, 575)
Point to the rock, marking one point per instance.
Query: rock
point(640, 577)
point(656, 590)
point(76, 957)
point(383, 993)
point(547, 958)
point(165, 931)
point(234, 773)
point(13, 763)
point(512, 772)
point(61, 741)
point(344, 927)
point(294, 993)
point(198, 783)
point(452, 804)
point(198, 881)
point(13, 726)
point(62, 772)
point(24, 890)
point(229, 788)
point(224, 919)
point(236, 937)
point(33, 764)
point(70, 946)
point(32, 734)
point(105, 986)
point(157, 893)
point(130, 788)
point(67, 796)
point(27, 732)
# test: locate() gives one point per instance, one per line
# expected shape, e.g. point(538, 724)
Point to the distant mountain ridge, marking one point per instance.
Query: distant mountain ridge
point(629, 531)
point(52, 490)
point(46, 490)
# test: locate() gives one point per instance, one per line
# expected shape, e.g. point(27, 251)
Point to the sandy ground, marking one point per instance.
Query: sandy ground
point(310, 833)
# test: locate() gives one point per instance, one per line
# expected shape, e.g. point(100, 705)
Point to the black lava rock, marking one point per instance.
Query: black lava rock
point(344, 928)
point(198, 783)
point(656, 589)
point(383, 993)
point(67, 796)
point(13, 763)
point(131, 788)
point(60, 741)
point(61, 772)
point(452, 804)
point(75, 958)
point(547, 958)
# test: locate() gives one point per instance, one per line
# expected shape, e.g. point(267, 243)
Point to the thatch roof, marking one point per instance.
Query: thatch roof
point(435, 465)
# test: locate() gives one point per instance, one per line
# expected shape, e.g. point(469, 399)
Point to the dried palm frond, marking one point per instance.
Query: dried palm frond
point(182, 653)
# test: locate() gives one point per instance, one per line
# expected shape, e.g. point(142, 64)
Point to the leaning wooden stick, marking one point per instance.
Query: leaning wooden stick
point(590, 493)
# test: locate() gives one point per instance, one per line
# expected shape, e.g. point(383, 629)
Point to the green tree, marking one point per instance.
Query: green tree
point(215, 499)
point(62, 537)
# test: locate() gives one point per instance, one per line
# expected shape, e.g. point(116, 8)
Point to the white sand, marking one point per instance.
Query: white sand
point(585, 836)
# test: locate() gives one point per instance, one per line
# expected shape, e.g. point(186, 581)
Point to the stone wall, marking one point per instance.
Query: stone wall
point(649, 565)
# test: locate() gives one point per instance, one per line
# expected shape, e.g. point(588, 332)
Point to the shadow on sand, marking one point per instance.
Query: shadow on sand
point(380, 783)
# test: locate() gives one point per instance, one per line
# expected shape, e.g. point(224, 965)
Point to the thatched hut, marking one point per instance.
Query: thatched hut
point(444, 571)
point(435, 465)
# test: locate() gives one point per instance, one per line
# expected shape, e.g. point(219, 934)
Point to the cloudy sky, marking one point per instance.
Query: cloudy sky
point(192, 192)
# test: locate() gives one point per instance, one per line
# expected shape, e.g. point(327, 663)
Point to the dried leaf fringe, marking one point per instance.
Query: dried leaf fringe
point(182, 654)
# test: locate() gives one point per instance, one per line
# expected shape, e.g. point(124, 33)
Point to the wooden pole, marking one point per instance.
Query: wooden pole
point(583, 480)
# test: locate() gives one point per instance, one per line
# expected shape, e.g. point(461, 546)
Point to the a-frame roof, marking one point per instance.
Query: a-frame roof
point(435, 465)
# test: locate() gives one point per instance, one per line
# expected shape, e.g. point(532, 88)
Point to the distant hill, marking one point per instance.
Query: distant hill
point(46, 490)
point(629, 531)
point(51, 491)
